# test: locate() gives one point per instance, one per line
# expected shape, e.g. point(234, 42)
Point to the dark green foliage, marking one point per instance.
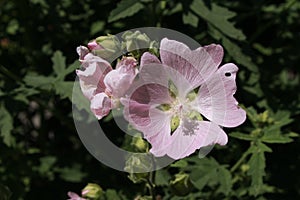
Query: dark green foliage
point(41, 156)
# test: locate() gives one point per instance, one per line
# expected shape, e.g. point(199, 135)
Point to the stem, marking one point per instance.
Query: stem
point(240, 161)
point(7, 73)
point(151, 185)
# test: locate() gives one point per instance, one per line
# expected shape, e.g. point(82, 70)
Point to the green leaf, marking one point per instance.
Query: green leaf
point(59, 62)
point(276, 138)
point(125, 8)
point(96, 27)
point(112, 195)
point(257, 164)
point(219, 17)
point(180, 164)
point(190, 19)
point(242, 136)
point(162, 177)
point(5, 193)
point(71, 174)
point(225, 180)
point(39, 81)
point(6, 126)
point(64, 89)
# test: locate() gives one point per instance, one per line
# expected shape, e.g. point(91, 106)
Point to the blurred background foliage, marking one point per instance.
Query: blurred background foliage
point(41, 156)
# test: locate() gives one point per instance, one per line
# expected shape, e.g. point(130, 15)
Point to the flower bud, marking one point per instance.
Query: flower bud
point(92, 191)
point(135, 41)
point(137, 167)
point(107, 47)
point(181, 185)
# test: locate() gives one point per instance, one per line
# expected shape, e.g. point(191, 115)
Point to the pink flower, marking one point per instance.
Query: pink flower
point(74, 196)
point(102, 85)
point(167, 108)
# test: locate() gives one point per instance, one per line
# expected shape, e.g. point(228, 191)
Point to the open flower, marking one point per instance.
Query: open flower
point(181, 101)
point(102, 85)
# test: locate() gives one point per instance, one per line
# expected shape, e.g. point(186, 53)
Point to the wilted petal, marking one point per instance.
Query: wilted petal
point(190, 136)
point(215, 98)
point(82, 51)
point(197, 65)
point(91, 79)
point(100, 105)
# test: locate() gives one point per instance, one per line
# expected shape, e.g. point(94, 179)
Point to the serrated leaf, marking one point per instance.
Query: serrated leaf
point(276, 138)
point(190, 19)
point(257, 164)
point(225, 180)
point(218, 16)
point(242, 136)
point(64, 89)
point(180, 164)
point(256, 171)
point(6, 126)
point(162, 177)
point(125, 8)
point(59, 62)
point(39, 81)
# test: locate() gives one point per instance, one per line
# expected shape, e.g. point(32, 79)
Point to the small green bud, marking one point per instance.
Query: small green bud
point(92, 191)
point(245, 167)
point(111, 47)
point(181, 185)
point(136, 166)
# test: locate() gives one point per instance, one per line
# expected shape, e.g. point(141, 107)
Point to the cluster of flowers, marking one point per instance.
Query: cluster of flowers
point(178, 98)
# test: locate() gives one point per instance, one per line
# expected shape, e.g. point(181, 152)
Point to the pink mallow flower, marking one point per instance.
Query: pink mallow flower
point(181, 101)
point(102, 85)
point(74, 196)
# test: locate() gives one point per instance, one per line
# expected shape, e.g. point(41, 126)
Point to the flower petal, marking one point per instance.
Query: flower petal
point(119, 80)
point(148, 58)
point(192, 136)
point(197, 65)
point(91, 79)
point(100, 105)
point(215, 98)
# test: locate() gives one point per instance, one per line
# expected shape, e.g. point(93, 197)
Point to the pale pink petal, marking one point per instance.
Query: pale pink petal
point(91, 79)
point(148, 58)
point(100, 105)
point(197, 65)
point(119, 80)
point(74, 196)
point(192, 135)
point(93, 45)
point(215, 99)
point(145, 118)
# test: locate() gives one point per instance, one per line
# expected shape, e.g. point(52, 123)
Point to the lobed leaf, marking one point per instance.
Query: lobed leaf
point(125, 8)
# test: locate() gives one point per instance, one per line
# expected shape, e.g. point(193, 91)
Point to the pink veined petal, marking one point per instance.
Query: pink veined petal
point(215, 98)
point(149, 120)
point(148, 58)
point(91, 79)
point(192, 136)
point(197, 65)
point(100, 105)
